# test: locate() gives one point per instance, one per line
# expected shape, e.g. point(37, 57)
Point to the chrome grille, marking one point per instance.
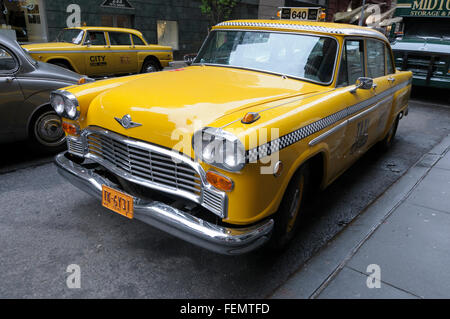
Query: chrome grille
point(144, 164)
point(75, 146)
point(214, 201)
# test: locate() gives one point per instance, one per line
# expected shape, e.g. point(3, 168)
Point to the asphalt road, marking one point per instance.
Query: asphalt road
point(47, 224)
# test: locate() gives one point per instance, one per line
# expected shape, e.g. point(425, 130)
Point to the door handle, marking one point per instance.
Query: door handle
point(391, 79)
point(9, 79)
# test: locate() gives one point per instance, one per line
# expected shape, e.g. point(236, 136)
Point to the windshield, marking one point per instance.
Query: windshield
point(296, 55)
point(427, 28)
point(70, 36)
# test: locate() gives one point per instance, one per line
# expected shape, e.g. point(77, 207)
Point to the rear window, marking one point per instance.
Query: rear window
point(137, 40)
point(375, 58)
point(119, 38)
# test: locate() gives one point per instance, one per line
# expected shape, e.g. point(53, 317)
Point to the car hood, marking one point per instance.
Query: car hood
point(51, 46)
point(421, 45)
point(175, 102)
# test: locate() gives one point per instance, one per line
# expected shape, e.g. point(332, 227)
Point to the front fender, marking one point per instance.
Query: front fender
point(86, 93)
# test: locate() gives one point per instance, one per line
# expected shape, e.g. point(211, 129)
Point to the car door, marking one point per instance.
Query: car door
point(368, 103)
point(352, 68)
point(98, 55)
point(11, 96)
point(383, 88)
point(400, 88)
point(125, 55)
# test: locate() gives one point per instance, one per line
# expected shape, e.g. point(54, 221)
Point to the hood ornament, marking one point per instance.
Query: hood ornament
point(126, 121)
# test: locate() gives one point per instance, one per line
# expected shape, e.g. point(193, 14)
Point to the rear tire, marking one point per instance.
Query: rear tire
point(150, 66)
point(387, 142)
point(47, 133)
point(291, 210)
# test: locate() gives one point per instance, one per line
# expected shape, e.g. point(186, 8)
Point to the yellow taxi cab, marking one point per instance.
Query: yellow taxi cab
point(268, 111)
point(99, 51)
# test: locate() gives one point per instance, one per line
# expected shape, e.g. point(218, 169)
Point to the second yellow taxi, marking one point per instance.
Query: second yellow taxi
point(99, 51)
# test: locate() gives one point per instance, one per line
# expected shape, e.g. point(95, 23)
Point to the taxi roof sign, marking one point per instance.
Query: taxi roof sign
point(301, 13)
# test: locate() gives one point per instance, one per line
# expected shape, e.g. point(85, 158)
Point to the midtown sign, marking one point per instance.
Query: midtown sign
point(430, 8)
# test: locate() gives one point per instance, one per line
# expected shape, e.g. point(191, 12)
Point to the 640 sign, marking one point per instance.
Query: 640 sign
point(120, 4)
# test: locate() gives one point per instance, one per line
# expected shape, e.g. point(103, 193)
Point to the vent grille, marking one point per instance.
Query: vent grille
point(214, 202)
point(75, 146)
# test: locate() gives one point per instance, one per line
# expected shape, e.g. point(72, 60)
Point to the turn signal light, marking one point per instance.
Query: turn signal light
point(82, 81)
point(70, 128)
point(219, 181)
point(250, 117)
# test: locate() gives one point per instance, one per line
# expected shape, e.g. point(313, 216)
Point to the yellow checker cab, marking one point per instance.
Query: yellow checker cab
point(101, 51)
point(267, 112)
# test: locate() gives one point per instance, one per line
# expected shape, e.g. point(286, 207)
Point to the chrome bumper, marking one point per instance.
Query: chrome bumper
point(224, 240)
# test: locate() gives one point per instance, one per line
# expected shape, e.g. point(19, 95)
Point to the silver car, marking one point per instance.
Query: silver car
point(25, 86)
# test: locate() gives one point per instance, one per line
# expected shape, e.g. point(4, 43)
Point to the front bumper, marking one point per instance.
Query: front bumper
point(224, 240)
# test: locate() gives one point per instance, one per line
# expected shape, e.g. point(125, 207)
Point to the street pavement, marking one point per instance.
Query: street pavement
point(46, 225)
point(399, 247)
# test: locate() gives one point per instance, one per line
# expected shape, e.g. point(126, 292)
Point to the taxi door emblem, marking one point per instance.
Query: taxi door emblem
point(126, 121)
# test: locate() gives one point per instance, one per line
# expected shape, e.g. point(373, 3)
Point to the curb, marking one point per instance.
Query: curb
point(315, 275)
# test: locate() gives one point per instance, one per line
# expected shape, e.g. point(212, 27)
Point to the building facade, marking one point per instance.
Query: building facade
point(178, 23)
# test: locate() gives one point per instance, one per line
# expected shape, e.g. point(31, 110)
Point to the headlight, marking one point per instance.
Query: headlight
point(65, 104)
point(219, 148)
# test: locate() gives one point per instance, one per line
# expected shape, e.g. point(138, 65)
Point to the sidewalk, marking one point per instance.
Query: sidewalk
point(406, 232)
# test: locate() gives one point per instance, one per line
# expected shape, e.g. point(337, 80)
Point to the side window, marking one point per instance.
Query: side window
point(119, 38)
point(7, 61)
point(375, 58)
point(352, 62)
point(389, 66)
point(137, 40)
point(96, 37)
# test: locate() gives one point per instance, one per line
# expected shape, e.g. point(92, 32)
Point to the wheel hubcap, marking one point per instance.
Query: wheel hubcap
point(48, 130)
point(150, 68)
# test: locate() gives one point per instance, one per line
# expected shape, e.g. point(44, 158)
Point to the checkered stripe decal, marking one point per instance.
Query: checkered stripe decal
point(302, 28)
point(278, 144)
point(281, 25)
point(284, 141)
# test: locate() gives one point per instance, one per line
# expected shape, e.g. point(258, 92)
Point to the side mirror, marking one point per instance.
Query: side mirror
point(88, 43)
point(189, 58)
point(363, 83)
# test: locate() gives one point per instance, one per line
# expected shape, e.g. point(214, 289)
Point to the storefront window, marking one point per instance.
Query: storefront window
point(25, 18)
point(168, 33)
point(121, 21)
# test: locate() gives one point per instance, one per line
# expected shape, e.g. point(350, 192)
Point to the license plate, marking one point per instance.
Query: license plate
point(117, 201)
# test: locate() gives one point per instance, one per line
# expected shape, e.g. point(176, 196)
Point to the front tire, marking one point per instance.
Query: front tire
point(47, 133)
point(292, 207)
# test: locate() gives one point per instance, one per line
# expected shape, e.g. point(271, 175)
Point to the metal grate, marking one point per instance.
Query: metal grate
point(214, 201)
point(75, 146)
point(143, 163)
